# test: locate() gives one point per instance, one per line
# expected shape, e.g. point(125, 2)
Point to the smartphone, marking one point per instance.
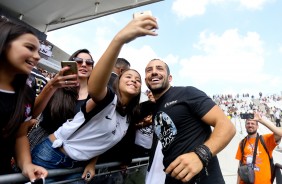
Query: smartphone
point(37, 181)
point(247, 116)
point(72, 65)
point(148, 12)
point(138, 14)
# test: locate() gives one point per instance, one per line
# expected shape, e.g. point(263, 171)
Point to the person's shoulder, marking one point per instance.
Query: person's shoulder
point(189, 89)
point(184, 88)
point(114, 75)
point(267, 136)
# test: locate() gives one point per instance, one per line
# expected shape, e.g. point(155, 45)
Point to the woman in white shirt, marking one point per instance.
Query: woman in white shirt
point(104, 118)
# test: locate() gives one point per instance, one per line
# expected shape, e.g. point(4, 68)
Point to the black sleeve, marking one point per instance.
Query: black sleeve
point(100, 105)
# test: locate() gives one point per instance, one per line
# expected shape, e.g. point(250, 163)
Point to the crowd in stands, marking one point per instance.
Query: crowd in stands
point(234, 105)
point(48, 75)
point(95, 116)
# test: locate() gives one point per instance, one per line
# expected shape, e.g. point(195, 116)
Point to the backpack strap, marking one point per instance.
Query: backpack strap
point(242, 146)
point(255, 151)
point(264, 146)
point(272, 167)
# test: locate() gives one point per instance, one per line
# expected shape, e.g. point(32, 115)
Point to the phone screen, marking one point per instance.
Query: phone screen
point(37, 181)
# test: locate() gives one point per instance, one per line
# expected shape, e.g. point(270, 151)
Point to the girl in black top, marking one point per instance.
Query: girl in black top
point(19, 48)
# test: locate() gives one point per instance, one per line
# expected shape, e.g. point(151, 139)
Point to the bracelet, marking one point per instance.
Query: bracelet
point(204, 154)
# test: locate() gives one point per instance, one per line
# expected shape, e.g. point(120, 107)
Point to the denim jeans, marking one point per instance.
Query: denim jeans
point(113, 178)
point(136, 176)
point(48, 157)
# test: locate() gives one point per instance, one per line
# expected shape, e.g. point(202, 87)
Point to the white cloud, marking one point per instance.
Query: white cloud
point(85, 35)
point(253, 4)
point(280, 49)
point(138, 58)
point(189, 8)
point(171, 59)
point(227, 57)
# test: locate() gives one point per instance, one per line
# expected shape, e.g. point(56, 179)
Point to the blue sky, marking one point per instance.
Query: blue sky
point(218, 46)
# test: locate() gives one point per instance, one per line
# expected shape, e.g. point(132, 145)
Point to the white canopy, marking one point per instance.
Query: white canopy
point(48, 15)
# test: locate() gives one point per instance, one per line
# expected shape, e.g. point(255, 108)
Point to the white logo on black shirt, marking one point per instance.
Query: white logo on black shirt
point(164, 128)
point(170, 103)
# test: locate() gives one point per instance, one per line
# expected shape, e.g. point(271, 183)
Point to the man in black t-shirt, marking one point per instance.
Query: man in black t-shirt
point(182, 120)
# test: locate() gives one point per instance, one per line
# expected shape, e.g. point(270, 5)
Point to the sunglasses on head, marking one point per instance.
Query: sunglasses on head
point(88, 62)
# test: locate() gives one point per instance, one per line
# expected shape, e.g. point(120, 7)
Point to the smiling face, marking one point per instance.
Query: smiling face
point(157, 77)
point(251, 127)
point(22, 54)
point(84, 70)
point(130, 83)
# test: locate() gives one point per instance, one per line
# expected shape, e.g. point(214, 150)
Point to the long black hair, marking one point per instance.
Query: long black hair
point(10, 31)
point(62, 104)
point(61, 107)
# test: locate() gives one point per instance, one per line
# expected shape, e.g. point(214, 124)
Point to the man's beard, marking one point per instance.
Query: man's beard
point(157, 90)
point(160, 89)
point(252, 133)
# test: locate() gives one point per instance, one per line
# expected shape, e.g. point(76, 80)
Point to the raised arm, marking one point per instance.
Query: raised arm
point(266, 122)
point(58, 81)
point(97, 84)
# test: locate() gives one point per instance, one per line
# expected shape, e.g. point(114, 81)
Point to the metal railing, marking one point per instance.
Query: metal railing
point(52, 173)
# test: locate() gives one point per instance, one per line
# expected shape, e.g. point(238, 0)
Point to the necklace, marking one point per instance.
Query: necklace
point(33, 127)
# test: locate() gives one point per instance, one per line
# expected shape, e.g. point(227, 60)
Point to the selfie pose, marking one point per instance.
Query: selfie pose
point(103, 120)
point(182, 120)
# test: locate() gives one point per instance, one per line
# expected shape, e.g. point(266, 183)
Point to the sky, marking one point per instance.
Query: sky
point(217, 46)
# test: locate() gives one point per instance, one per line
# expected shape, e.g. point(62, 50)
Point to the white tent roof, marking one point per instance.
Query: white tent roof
point(48, 15)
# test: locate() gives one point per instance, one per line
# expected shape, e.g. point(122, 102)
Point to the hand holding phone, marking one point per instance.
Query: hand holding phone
point(37, 181)
point(139, 14)
point(72, 67)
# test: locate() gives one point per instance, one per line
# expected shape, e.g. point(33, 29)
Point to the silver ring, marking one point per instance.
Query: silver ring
point(88, 176)
point(66, 82)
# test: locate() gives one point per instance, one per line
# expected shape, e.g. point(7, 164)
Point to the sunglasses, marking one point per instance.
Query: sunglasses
point(88, 62)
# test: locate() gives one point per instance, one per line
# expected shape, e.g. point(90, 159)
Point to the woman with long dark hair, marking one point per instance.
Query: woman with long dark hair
point(104, 119)
point(62, 97)
point(19, 48)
